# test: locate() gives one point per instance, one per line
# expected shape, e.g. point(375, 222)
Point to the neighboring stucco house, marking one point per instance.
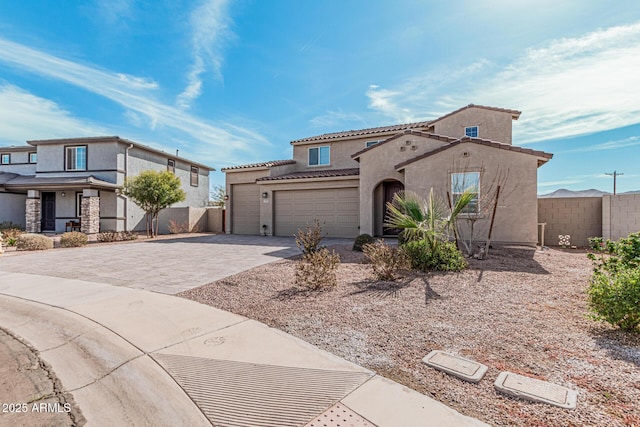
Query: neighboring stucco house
point(48, 185)
point(344, 179)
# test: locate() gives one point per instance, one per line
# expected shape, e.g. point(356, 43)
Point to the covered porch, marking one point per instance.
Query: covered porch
point(60, 204)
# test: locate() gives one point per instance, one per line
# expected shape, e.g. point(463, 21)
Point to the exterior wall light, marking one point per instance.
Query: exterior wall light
point(226, 197)
point(265, 195)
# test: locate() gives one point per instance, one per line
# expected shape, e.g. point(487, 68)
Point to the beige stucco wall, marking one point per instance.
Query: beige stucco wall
point(579, 217)
point(516, 215)
point(12, 208)
point(493, 125)
point(214, 220)
point(620, 215)
point(378, 165)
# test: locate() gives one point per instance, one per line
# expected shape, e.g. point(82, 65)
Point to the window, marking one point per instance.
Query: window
point(5, 159)
point(463, 181)
point(79, 204)
point(471, 131)
point(33, 158)
point(171, 166)
point(318, 156)
point(194, 176)
point(370, 143)
point(76, 158)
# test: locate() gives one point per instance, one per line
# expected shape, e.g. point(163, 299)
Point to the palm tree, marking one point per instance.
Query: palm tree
point(431, 220)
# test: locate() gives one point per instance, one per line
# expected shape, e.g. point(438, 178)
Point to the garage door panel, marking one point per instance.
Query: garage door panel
point(245, 204)
point(336, 209)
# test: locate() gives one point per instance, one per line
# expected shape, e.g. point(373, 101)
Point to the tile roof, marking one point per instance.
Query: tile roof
point(330, 173)
point(400, 135)
point(480, 141)
point(372, 131)
point(268, 164)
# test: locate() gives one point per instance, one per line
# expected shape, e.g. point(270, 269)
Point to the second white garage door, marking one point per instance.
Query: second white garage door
point(337, 209)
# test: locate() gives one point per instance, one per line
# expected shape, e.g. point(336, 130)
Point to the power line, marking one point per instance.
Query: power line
point(615, 175)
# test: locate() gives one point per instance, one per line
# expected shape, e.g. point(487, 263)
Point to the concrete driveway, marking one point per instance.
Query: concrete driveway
point(165, 265)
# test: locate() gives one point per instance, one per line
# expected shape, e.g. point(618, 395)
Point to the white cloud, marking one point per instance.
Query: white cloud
point(113, 11)
point(331, 119)
point(132, 93)
point(631, 141)
point(26, 117)
point(568, 87)
point(210, 25)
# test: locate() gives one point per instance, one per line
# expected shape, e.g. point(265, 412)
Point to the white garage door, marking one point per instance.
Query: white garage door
point(337, 209)
point(245, 208)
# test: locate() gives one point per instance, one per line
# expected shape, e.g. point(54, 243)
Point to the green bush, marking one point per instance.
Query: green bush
point(309, 239)
point(361, 240)
point(445, 257)
point(317, 270)
point(386, 262)
point(33, 242)
point(403, 239)
point(73, 239)
point(7, 225)
point(614, 287)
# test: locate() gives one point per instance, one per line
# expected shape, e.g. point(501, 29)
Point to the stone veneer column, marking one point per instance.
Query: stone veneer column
point(33, 212)
point(90, 221)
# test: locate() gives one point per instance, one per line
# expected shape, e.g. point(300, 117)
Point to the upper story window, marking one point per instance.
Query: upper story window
point(76, 158)
point(319, 156)
point(463, 181)
point(194, 176)
point(33, 157)
point(171, 166)
point(370, 143)
point(5, 158)
point(471, 131)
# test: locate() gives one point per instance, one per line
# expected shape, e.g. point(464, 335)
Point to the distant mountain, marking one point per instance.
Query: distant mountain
point(570, 193)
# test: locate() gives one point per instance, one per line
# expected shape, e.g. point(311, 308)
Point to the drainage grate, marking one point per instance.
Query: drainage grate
point(339, 416)
point(236, 394)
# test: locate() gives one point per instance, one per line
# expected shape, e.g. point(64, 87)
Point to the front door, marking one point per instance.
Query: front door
point(48, 211)
point(390, 190)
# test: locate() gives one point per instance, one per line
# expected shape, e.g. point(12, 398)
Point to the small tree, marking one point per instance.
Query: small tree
point(216, 196)
point(154, 191)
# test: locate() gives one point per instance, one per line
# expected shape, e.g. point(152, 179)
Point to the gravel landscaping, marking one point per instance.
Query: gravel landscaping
point(520, 310)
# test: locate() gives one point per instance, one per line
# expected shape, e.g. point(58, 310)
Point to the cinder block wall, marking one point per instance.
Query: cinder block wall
point(620, 215)
point(580, 217)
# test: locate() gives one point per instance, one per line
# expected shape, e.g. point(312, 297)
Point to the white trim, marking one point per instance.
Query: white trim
point(471, 127)
point(328, 147)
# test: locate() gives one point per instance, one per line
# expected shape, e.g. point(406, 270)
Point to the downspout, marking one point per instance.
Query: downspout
point(126, 174)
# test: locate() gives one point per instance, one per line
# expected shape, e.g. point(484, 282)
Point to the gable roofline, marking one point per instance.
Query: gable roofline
point(327, 173)
point(429, 135)
point(480, 141)
point(115, 138)
point(261, 165)
point(515, 114)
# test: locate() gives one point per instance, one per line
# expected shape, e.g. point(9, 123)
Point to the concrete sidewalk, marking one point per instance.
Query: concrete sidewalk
point(133, 357)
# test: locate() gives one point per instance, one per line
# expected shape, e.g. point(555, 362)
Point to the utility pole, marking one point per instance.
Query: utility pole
point(615, 175)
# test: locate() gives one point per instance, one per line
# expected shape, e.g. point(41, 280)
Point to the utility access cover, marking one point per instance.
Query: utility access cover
point(536, 390)
point(457, 366)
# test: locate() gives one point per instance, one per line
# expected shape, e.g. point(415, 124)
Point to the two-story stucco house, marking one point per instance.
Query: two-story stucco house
point(58, 184)
point(345, 179)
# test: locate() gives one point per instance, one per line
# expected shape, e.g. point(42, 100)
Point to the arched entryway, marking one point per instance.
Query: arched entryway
point(382, 194)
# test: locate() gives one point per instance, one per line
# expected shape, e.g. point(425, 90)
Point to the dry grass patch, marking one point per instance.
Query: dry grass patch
point(520, 310)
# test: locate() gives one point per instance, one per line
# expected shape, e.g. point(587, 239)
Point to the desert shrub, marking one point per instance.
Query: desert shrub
point(361, 240)
point(127, 235)
point(108, 236)
point(386, 262)
point(7, 225)
point(317, 270)
point(73, 239)
point(614, 286)
point(33, 242)
point(404, 238)
point(10, 235)
point(176, 227)
point(444, 257)
point(116, 236)
point(309, 239)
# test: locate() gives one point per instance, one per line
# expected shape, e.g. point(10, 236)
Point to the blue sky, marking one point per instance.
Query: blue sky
point(232, 82)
